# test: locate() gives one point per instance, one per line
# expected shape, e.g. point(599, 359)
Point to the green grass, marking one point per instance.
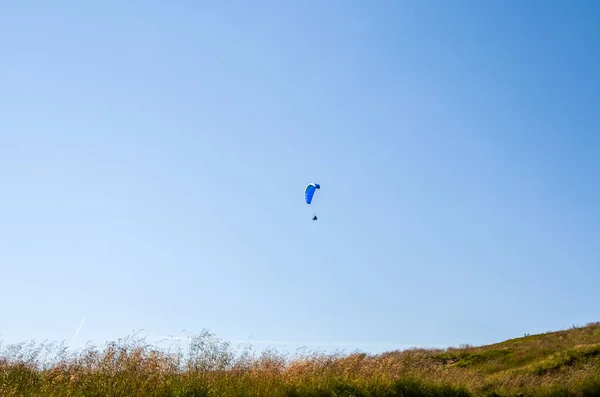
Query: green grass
point(564, 363)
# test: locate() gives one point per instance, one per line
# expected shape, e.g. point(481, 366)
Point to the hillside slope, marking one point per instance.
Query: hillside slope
point(577, 348)
point(555, 362)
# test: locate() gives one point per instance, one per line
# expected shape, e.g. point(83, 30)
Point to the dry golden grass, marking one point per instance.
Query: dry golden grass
point(565, 363)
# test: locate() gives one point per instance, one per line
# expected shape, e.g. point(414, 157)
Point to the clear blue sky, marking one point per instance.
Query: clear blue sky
point(153, 159)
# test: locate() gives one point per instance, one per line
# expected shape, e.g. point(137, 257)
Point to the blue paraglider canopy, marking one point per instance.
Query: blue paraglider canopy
point(310, 191)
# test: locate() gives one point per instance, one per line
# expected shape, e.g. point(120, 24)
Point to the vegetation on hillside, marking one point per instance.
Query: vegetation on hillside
point(564, 363)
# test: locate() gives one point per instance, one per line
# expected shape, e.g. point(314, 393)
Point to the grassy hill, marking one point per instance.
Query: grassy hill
point(564, 363)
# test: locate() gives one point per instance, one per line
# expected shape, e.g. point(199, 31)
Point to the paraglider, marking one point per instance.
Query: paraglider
point(309, 192)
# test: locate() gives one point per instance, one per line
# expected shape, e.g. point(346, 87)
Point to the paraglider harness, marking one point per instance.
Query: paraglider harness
point(314, 218)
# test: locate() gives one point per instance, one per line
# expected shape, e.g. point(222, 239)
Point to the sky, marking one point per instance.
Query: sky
point(154, 155)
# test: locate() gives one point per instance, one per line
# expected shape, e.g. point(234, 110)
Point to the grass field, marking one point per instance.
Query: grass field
point(563, 363)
